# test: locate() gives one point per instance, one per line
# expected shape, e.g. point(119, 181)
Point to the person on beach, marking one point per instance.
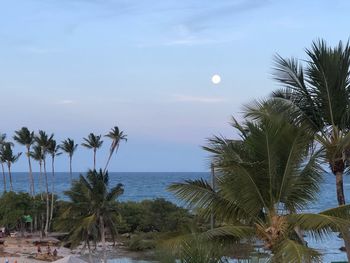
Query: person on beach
point(39, 249)
point(54, 252)
point(48, 249)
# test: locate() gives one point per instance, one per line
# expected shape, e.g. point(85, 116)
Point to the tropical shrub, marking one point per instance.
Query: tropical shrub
point(13, 207)
point(152, 215)
point(264, 180)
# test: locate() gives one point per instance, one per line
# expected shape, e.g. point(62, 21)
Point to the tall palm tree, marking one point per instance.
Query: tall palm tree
point(69, 147)
point(43, 140)
point(116, 136)
point(264, 179)
point(9, 158)
point(320, 89)
point(53, 150)
point(38, 156)
point(2, 160)
point(91, 209)
point(93, 142)
point(26, 138)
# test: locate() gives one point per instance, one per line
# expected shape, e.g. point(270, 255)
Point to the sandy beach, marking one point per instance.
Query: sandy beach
point(25, 249)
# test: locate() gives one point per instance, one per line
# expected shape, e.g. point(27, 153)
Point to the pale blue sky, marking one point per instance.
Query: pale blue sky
point(77, 66)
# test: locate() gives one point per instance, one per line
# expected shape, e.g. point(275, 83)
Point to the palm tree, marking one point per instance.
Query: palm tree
point(91, 209)
point(53, 150)
point(26, 138)
point(93, 142)
point(43, 140)
point(116, 136)
point(320, 89)
point(9, 158)
point(37, 155)
point(2, 160)
point(69, 147)
point(264, 179)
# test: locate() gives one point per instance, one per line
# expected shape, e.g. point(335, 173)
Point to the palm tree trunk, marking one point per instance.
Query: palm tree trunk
point(47, 201)
point(346, 237)
point(340, 187)
point(10, 175)
point(94, 158)
point(70, 169)
point(103, 238)
point(40, 179)
point(90, 253)
point(3, 176)
point(109, 158)
point(31, 179)
point(52, 187)
point(341, 201)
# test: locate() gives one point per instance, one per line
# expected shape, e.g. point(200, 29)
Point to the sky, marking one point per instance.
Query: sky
point(71, 67)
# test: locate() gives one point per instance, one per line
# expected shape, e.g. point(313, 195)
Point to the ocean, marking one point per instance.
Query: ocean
point(140, 186)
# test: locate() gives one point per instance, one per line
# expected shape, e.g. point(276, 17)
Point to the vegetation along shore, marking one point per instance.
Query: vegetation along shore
point(257, 206)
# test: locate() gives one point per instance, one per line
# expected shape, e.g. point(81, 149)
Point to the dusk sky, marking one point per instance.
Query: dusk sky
point(72, 67)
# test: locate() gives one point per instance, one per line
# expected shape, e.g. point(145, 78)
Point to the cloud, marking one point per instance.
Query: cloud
point(227, 9)
point(199, 99)
point(66, 102)
point(188, 41)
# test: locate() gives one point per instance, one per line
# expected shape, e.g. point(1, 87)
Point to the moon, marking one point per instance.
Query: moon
point(216, 79)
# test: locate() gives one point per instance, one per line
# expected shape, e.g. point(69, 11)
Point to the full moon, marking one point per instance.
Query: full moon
point(216, 79)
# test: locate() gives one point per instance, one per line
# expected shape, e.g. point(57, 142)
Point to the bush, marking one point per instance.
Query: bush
point(143, 242)
point(13, 207)
point(152, 215)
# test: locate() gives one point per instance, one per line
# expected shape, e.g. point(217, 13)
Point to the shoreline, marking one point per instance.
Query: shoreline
point(24, 249)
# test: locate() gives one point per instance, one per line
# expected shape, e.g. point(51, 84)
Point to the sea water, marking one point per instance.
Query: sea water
point(140, 186)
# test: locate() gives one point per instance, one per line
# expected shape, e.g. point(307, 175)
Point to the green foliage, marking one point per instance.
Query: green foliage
point(143, 241)
point(24, 136)
point(13, 206)
point(152, 215)
point(68, 146)
point(92, 141)
point(116, 136)
point(90, 199)
point(194, 249)
point(263, 179)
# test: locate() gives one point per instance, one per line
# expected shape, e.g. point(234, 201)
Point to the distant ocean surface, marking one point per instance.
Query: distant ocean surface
point(140, 186)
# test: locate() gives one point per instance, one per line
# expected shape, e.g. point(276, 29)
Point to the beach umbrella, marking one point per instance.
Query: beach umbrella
point(70, 259)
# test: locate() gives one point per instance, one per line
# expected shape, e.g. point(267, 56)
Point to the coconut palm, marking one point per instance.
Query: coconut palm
point(38, 156)
point(9, 158)
point(264, 179)
point(43, 140)
point(69, 147)
point(116, 136)
point(91, 209)
point(26, 138)
point(53, 150)
point(2, 161)
point(93, 142)
point(320, 88)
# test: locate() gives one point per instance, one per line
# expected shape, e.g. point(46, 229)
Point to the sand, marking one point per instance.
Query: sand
point(24, 249)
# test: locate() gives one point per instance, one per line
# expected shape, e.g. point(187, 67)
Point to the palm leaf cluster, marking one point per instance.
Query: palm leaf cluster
point(320, 88)
point(265, 179)
point(92, 209)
